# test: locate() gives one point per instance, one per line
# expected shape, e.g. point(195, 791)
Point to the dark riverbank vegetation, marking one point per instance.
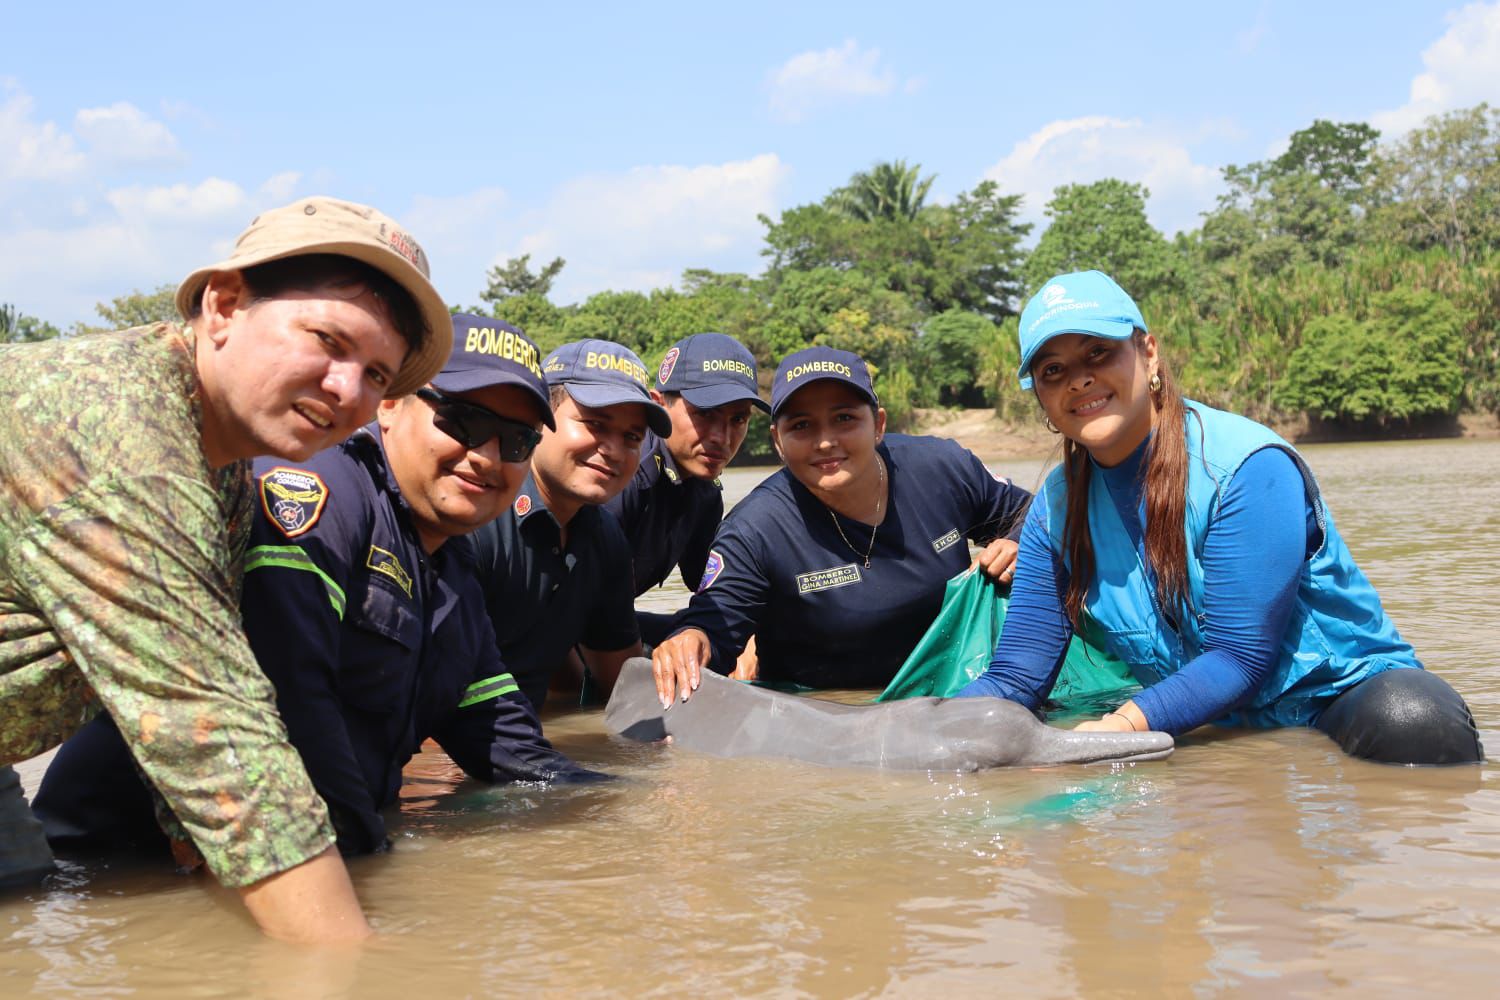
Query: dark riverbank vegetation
point(1349, 284)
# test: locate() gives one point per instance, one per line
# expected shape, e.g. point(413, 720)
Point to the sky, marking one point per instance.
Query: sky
point(639, 140)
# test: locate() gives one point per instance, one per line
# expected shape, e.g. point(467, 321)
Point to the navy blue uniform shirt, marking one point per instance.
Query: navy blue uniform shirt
point(780, 570)
point(545, 599)
point(372, 644)
point(668, 517)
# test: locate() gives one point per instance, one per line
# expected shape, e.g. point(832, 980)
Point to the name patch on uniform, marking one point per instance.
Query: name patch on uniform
point(667, 364)
point(711, 570)
point(828, 579)
point(387, 565)
point(947, 541)
point(293, 499)
point(523, 505)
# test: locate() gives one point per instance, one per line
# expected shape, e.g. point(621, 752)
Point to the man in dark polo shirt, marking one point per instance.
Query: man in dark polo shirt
point(673, 506)
point(556, 567)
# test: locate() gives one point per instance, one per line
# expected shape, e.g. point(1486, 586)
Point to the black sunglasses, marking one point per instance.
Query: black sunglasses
point(472, 425)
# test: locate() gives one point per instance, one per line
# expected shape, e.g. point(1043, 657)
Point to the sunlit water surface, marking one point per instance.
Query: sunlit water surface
point(1248, 863)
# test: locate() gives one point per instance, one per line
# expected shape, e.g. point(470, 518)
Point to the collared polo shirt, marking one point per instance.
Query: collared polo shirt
point(544, 598)
point(668, 517)
point(788, 570)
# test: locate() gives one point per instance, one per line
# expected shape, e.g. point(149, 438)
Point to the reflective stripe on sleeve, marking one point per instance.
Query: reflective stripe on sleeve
point(292, 557)
point(490, 687)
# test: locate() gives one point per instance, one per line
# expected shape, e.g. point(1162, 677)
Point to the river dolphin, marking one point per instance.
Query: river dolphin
point(728, 718)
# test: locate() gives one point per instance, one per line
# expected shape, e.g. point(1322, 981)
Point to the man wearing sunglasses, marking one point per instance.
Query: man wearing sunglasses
point(673, 505)
point(556, 566)
point(363, 609)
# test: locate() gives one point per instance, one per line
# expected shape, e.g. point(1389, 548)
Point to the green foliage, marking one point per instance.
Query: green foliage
point(136, 309)
point(1401, 365)
point(18, 328)
point(515, 278)
point(961, 256)
point(1357, 284)
point(890, 191)
point(1440, 185)
point(948, 348)
point(1103, 226)
point(898, 391)
point(1336, 154)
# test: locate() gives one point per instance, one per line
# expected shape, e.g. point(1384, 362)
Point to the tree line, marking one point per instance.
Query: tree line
point(1351, 281)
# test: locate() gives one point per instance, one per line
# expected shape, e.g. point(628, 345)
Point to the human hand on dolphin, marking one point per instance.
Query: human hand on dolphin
point(998, 560)
point(677, 665)
point(1125, 719)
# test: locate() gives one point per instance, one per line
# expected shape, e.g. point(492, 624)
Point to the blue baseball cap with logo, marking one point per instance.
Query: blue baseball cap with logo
point(814, 364)
point(488, 352)
point(603, 373)
point(1082, 302)
point(709, 370)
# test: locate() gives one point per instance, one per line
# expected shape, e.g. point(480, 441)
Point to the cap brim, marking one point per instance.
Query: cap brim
point(472, 379)
point(657, 418)
point(866, 393)
point(419, 367)
point(707, 397)
point(1108, 329)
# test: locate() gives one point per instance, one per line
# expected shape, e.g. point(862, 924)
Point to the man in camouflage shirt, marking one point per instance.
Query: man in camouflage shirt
point(125, 505)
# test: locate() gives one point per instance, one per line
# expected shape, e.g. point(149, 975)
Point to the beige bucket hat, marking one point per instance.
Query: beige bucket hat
point(328, 225)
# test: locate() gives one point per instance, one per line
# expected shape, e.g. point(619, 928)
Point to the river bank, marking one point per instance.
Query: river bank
point(991, 438)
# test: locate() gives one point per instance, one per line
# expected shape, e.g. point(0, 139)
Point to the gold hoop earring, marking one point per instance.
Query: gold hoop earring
point(1047, 422)
point(1155, 384)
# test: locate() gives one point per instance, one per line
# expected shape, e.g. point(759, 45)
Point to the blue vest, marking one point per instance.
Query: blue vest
point(1338, 634)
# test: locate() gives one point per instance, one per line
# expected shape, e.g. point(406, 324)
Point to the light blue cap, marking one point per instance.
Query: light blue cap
point(1082, 302)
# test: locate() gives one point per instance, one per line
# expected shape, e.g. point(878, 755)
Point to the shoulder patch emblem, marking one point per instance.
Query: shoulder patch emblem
point(671, 474)
point(667, 364)
point(387, 565)
point(711, 570)
point(293, 499)
point(523, 505)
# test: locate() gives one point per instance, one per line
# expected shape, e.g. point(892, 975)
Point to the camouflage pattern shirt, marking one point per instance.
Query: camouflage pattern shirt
point(121, 554)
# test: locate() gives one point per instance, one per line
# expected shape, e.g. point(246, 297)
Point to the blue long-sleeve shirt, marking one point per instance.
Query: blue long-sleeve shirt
point(1260, 537)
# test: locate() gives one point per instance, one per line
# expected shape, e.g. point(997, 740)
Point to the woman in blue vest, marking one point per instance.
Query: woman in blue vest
point(1195, 545)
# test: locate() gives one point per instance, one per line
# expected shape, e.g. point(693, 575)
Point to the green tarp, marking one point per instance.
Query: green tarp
point(961, 640)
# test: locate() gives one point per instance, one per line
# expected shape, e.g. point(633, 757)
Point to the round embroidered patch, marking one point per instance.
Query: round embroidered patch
point(667, 364)
point(293, 499)
point(523, 505)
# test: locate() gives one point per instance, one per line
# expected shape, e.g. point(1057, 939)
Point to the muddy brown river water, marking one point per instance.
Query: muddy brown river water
point(1246, 864)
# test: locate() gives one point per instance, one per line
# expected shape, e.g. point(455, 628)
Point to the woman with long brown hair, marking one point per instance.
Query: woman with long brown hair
point(1195, 545)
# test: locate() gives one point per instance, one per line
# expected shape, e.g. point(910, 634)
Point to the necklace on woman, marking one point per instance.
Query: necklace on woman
point(879, 502)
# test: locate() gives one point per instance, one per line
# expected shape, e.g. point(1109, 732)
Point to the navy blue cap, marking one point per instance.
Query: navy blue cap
point(603, 373)
point(488, 352)
point(813, 364)
point(709, 370)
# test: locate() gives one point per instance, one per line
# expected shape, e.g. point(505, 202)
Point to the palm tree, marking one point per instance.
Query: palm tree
point(885, 191)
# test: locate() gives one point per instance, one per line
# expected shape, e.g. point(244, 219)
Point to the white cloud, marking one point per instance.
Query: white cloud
point(31, 150)
point(641, 229)
point(124, 135)
point(1462, 69)
point(1083, 150)
point(1249, 40)
point(57, 266)
point(636, 230)
point(813, 80)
